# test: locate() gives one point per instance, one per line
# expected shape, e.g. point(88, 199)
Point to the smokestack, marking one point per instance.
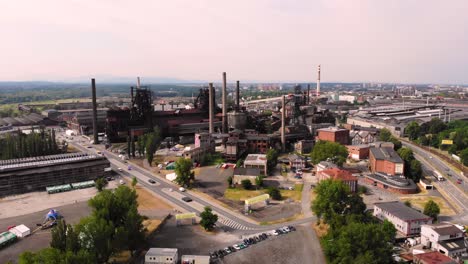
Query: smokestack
point(237, 96)
point(211, 107)
point(308, 93)
point(318, 82)
point(224, 102)
point(283, 124)
point(138, 82)
point(93, 94)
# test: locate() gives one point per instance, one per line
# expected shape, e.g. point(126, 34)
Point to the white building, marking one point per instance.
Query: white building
point(445, 238)
point(161, 256)
point(406, 220)
point(256, 161)
point(194, 259)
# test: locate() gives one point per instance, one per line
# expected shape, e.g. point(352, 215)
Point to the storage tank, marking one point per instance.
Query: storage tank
point(237, 120)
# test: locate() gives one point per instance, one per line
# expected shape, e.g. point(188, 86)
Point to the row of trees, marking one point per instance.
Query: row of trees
point(353, 236)
point(413, 168)
point(114, 225)
point(432, 133)
point(37, 143)
point(147, 144)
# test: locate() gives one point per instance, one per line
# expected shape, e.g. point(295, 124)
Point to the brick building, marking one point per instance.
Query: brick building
point(337, 174)
point(334, 134)
point(358, 152)
point(385, 160)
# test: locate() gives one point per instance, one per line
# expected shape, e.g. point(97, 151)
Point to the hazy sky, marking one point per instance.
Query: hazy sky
point(276, 40)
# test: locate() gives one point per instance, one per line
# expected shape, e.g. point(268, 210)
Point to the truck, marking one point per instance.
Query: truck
point(7, 238)
point(438, 176)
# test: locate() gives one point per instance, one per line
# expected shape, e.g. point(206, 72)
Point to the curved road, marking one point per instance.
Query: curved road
point(456, 194)
point(170, 192)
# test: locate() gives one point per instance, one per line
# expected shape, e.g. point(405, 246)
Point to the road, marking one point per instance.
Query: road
point(169, 191)
point(456, 194)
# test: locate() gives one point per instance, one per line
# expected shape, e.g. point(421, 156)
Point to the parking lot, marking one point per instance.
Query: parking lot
point(300, 246)
point(40, 239)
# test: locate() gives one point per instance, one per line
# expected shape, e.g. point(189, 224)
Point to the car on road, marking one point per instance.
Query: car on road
point(151, 181)
point(182, 189)
point(186, 199)
point(89, 147)
point(459, 181)
point(119, 169)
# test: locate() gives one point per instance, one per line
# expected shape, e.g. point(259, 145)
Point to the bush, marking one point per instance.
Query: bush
point(362, 189)
point(246, 184)
point(274, 193)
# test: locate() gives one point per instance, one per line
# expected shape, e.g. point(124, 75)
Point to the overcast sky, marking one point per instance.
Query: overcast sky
point(277, 40)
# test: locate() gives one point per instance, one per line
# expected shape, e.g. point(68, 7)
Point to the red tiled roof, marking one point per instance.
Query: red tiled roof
point(434, 258)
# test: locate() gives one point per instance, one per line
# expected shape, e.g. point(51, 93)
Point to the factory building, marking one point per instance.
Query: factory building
point(36, 173)
point(334, 134)
point(385, 160)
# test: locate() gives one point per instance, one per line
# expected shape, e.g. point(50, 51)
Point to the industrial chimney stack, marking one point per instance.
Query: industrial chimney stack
point(211, 107)
point(237, 96)
point(138, 82)
point(93, 94)
point(318, 82)
point(224, 102)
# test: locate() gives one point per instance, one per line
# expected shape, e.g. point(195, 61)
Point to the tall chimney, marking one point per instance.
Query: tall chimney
point(93, 94)
point(308, 93)
point(237, 96)
point(318, 82)
point(224, 102)
point(138, 82)
point(211, 107)
point(283, 124)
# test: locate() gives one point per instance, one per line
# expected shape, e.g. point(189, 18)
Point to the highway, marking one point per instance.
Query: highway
point(457, 194)
point(170, 192)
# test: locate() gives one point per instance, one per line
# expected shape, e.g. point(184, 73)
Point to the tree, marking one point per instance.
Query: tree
point(95, 235)
point(59, 236)
point(272, 159)
point(334, 198)
point(408, 203)
point(230, 180)
point(274, 193)
point(326, 150)
point(385, 135)
point(246, 184)
point(183, 171)
point(431, 209)
point(259, 181)
point(357, 242)
point(464, 156)
point(412, 130)
point(415, 170)
point(53, 255)
point(406, 154)
point(208, 219)
point(134, 182)
point(100, 184)
point(396, 143)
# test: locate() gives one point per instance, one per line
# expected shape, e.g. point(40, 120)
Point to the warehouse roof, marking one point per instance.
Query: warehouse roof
point(401, 211)
point(386, 153)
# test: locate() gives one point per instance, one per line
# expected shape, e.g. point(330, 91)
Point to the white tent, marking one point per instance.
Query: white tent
point(171, 176)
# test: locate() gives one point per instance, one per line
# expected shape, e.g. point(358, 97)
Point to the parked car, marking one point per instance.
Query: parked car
point(292, 228)
point(182, 189)
point(237, 247)
point(186, 199)
point(276, 232)
point(227, 250)
point(242, 245)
